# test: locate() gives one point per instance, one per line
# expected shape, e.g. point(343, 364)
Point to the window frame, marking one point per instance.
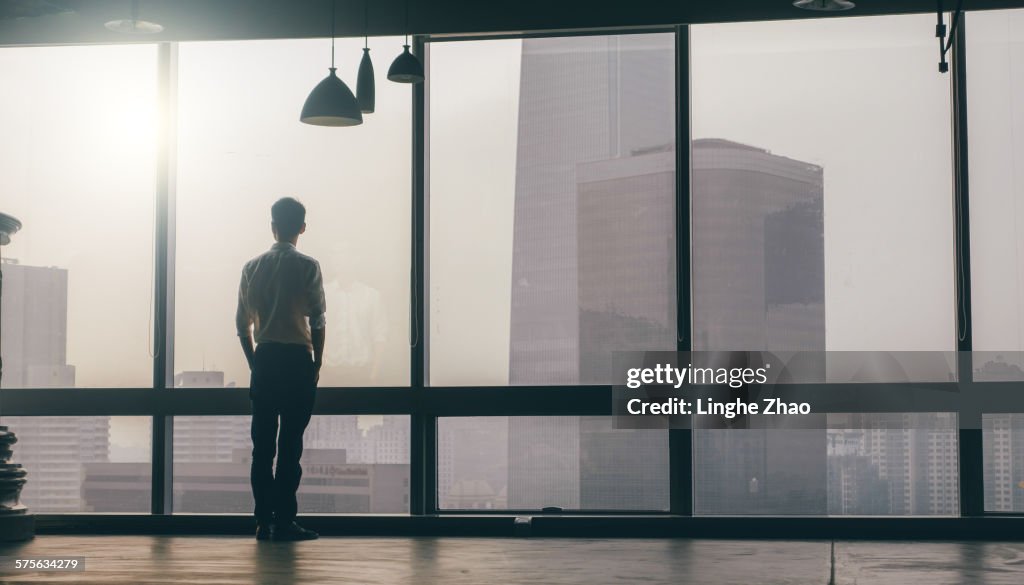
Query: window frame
point(426, 404)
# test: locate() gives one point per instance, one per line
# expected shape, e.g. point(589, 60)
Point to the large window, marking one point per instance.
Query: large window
point(995, 49)
point(552, 198)
point(822, 221)
point(77, 167)
point(240, 148)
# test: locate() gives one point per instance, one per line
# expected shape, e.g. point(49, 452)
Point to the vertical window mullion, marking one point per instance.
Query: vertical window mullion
point(163, 285)
point(681, 440)
point(971, 465)
point(423, 452)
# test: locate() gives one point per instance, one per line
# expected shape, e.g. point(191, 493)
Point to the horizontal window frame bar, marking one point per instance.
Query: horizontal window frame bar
point(986, 528)
point(967, 399)
point(547, 34)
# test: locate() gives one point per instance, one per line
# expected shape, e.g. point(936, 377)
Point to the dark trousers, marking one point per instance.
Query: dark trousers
point(283, 388)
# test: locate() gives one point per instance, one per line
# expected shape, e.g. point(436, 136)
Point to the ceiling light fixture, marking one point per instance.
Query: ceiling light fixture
point(365, 90)
point(406, 68)
point(824, 5)
point(134, 25)
point(331, 103)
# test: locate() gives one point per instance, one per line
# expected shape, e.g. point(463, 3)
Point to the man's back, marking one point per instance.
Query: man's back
point(279, 290)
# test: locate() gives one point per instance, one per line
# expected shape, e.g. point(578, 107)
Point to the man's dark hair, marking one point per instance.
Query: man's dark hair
point(288, 216)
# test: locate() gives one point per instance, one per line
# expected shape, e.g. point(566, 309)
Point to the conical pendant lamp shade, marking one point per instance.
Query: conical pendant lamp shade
point(406, 68)
point(365, 92)
point(331, 103)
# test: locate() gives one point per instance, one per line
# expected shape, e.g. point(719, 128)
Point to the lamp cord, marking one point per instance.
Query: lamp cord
point(366, 24)
point(334, 8)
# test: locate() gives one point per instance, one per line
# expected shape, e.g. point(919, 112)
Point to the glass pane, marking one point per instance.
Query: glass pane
point(822, 221)
point(552, 207)
point(862, 464)
point(995, 49)
point(350, 465)
point(528, 463)
point(822, 203)
point(77, 167)
point(1003, 444)
point(84, 463)
point(240, 148)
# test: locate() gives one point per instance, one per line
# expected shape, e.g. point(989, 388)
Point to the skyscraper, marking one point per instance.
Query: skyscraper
point(593, 252)
point(53, 449)
point(758, 258)
point(758, 250)
point(35, 321)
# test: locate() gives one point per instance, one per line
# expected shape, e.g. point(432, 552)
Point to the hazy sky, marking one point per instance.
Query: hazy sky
point(862, 98)
point(996, 110)
point(473, 136)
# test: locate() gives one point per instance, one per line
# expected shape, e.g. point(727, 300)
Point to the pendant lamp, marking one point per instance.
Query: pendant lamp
point(824, 5)
point(407, 67)
point(331, 102)
point(365, 91)
point(134, 25)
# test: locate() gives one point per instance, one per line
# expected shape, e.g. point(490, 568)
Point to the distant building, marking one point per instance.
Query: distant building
point(212, 439)
point(53, 449)
point(593, 267)
point(330, 485)
point(899, 464)
point(35, 321)
point(758, 256)
point(1003, 447)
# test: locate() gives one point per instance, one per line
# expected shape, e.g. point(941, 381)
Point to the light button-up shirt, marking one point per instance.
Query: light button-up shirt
point(281, 297)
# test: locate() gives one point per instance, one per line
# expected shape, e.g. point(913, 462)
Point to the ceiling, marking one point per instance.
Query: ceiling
point(29, 22)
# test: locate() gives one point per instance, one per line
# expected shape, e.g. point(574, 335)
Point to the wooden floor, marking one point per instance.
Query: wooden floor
point(114, 560)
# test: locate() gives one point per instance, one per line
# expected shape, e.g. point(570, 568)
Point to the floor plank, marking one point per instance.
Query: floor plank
point(115, 560)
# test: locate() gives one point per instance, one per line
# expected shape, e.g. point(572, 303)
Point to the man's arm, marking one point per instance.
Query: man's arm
point(243, 323)
point(317, 317)
point(248, 348)
point(318, 348)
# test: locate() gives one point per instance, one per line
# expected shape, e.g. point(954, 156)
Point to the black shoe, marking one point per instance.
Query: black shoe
point(264, 531)
point(292, 532)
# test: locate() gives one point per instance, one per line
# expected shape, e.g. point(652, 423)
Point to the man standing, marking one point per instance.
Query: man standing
point(280, 290)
